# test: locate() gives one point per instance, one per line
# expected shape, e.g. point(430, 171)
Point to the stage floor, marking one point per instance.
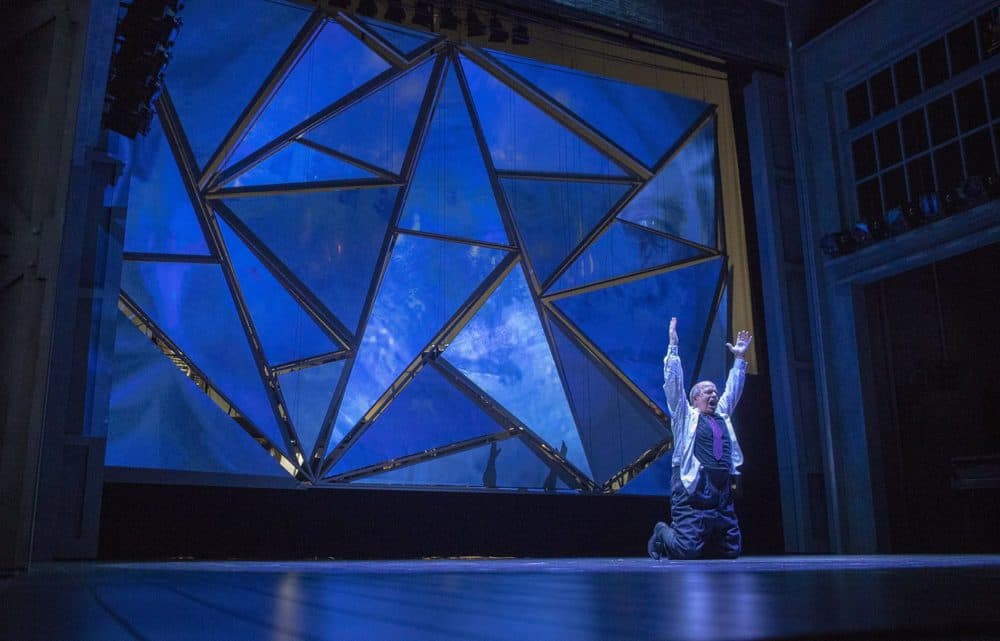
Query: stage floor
point(897, 597)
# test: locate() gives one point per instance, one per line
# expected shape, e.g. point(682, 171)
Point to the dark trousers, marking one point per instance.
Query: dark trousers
point(704, 524)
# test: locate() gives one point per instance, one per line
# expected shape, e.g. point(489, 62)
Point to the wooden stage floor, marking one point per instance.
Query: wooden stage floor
point(850, 597)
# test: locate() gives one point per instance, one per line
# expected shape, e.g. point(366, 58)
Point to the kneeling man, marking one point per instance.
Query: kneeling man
point(706, 455)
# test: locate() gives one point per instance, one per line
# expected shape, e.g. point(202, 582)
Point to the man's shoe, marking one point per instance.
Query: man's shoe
point(654, 547)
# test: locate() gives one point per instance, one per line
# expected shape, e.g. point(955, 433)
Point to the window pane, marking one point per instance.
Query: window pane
point(192, 304)
point(941, 114)
point(889, 152)
point(948, 164)
point(307, 394)
point(858, 110)
point(621, 250)
point(504, 351)
point(934, 64)
point(625, 321)
point(554, 216)
point(426, 282)
point(971, 106)
point(914, 132)
point(863, 152)
point(920, 176)
point(680, 200)
point(430, 412)
point(615, 427)
point(907, 78)
point(147, 393)
point(378, 129)
point(329, 240)
point(883, 94)
point(893, 189)
point(643, 121)
point(403, 40)
point(962, 47)
point(993, 93)
point(869, 199)
point(978, 152)
point(450, 192)
point(297, 163)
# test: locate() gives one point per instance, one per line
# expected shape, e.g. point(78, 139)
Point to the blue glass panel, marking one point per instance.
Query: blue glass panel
point(614, 426)
point(628, 322)
point(554, 216)
point(643, 121)
point(713, 364)
point(451, 193)
point(193, 306)
point(287, 332)
point(426, 282)
point(307, 395)
point(334, 64)
point(158, 418)
point(160, 216)
point(520, 136)
point(330, 239)
point(680, 200)
point(654, 480)
point(404, 40)
point(222, 56)
point(504, 351)
point(507, 464)
point(623, 249)
point(428, 413)
point(298, 163)
point(378, 129)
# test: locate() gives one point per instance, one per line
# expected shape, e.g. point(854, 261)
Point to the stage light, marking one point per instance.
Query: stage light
point(394, 11)
point(473, 25)
point(143, 39)
point(519, 34)
point(447, 19)
point(367, 8)
point(423, 15)
point(497, 32)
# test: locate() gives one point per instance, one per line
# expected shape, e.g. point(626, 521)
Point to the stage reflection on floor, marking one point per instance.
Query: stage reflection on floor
point(911, 597)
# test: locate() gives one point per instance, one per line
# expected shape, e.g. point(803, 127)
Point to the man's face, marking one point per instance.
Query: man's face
point(707, 398)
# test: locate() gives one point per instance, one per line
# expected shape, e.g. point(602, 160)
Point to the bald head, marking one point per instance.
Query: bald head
point(704, 397)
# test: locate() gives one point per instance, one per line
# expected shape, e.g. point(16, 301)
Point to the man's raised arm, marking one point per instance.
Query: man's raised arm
point(673, 376)
point(737, 374)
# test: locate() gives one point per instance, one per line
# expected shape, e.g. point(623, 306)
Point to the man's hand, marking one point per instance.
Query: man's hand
point(743, 339)
point(673, 330)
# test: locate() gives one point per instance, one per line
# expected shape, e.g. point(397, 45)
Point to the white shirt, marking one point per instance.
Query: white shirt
point(684, 417)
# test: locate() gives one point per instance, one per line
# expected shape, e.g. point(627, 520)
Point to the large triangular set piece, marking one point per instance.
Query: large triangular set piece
point(404, 261)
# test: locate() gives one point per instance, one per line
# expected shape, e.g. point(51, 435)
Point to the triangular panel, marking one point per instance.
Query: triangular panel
point(713, 363)
point(298, 163)
point(614, 426)
point(330, 240)
point(681, 199)
point(425, 284)
point(287, 332)
point(158, 418)
point(522, 137)
point(307, 394)
point(378, 129)
point(554, 216)
point(451, 192)
point(334, 64)
point(504, 351)
point(628, 322)
point(430, 412)
point(192, 304)
point(161, 219)
point(654, 480)
point(643, 121)
point(624, 249)
point(403, 40)
point(222, 56)
point(506, 464)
